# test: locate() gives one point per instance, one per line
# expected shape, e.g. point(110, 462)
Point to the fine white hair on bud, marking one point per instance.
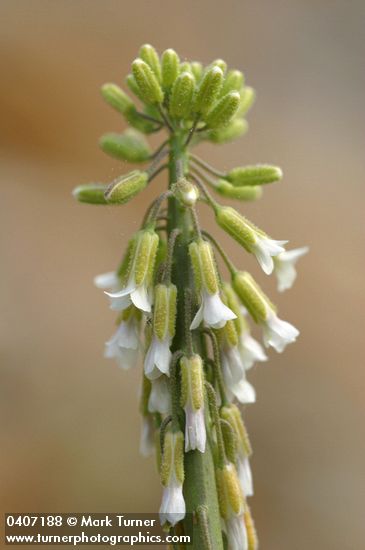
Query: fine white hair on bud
point(212, 310)
point(276, 332)
point(284, 267)
point(172, 509)
point(192, 401)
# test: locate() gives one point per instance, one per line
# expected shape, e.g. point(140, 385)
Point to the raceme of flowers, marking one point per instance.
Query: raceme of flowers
point(176, 311)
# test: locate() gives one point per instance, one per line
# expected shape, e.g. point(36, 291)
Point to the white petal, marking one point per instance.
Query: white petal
point(125, 358)
point(285, 267)
point(128, 289)
point(126, 335)
point(245, 476)
point(198, 318)
point(141, 299)
point(147, 441)
point(159, 400)
point(232, 366)
point(173, 504)
point(195, 433)
point(107, 280)
point(250, 350)
point(120, 303)
point(278, 333)
point(215, 312)
point(264, 249)
point(158, 357)
point(236, 533)
point(244, 392)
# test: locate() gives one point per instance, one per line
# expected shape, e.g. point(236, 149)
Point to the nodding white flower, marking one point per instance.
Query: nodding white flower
point(158, 357)
point(284, 267)
point(107, 281)
point(192, 401)
point(245, 475)
point(172, 508)
point(231, 504)
point(250, 237)
point(159, 399)
point(237, 533)
point(123, 345)
point(147, 440)
point(137, 289)
point(276, 332)
point(250, 350)
point(212, 310)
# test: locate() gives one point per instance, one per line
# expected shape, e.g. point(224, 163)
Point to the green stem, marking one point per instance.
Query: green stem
point(199, 486)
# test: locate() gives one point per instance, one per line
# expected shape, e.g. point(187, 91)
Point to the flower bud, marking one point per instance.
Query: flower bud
point(172, 477)
point(244, 193)
point(91, 193)
point(230, 441)
point(248, 96)
point(233, 416)
point(230, 497)
point(223, 112)
point(130, 146)
point(133, 86)
point(235, 129)
point(170, 68)
point(148, 84)
point(117, 98)
point(149, 55)
point(233, 82)
point(192, 401)
point(197, 70)
point(186, 192)
point(221, 64)
point(185, 67)
point(260, 174)
point(254, 240)
point(182, 95)
point(124, 188)
point(208, 90)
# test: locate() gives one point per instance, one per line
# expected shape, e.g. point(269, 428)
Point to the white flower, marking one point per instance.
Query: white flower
point(285, 267)
point(278, 333)
point(245, 475)
point(235, 377)
point(250, 350)
point(173, 504)
point(212, 311)
point(158, 357)
point(139, 295)
point(159, 399)
point(236, 533)
point(264, 248)
point(123, 345)
point(195, 433)
point(107, 281)
point(147, 441)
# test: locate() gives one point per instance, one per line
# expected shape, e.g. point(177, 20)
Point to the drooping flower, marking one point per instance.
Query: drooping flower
point(123, 345)
point(276, 332)
point(212, 310)
point(192, 401)
point(284, 267)
point(159, 399)
point(137, 289)
point(158, 356)
point(172, 508)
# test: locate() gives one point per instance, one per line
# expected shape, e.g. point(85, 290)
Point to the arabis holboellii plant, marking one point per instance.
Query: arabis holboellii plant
point(174, 306)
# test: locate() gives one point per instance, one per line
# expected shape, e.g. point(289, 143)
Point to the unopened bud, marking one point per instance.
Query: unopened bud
point(237, 226)
point(230, 497)
point(223, 112)
point(251, 295)
point(164, 313)
point(182, 95)
point(221, 64)
point(170, 68)
point(243, 193)
point(230, 440)
point(233, 82)
point(185, 67)
point(232, 415)
point(150, 56)
point(197, 70)
point(124, 188)
point(90, 193)
point(235, 129)
point(202, 259)
point(130, 146)
point(186, 192)
point(208, 90)
point(248, 96)
point(260, 174)
point(150, 89)
point(192, 382)
point(117, 98)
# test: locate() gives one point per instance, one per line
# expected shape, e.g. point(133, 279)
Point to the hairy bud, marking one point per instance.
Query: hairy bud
point(149, 87)
point(91, 193)
point(124, 188)
point(208, 90)
point(259, 174)
point(182, 95)
point(186, 192)
point(130, 146)
point(170, 68)
point(244, 193)
point(149, 55)
point(223, 112)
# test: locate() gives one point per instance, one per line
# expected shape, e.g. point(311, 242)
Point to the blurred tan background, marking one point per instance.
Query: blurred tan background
point(70, 426)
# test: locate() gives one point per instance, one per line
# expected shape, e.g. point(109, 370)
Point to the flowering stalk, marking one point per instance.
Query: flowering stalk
point(168, 288)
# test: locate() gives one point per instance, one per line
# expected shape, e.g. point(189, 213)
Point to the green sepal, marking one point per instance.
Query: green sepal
point(130, 146)
point(248, 96)
point(117, 98)
point(170, 66)
point(233, 82)
point(244, 193)
point(124, 188)
point(150, 56)
point(149, 87)
point(260, 174)
point(90, 193)
point(224, 111)
point(182, 95)
point(208, 90)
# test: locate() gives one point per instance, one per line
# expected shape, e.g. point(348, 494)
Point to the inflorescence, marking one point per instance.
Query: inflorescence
point(197, 343)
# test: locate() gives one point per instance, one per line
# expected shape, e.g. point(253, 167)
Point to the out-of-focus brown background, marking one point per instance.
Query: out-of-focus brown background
point(70, 425)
